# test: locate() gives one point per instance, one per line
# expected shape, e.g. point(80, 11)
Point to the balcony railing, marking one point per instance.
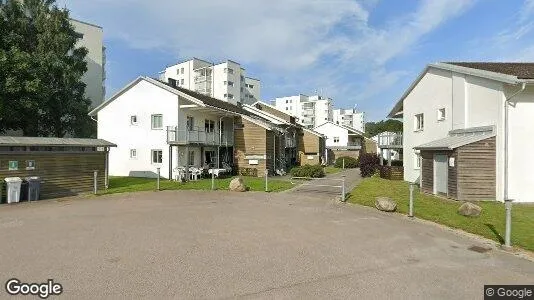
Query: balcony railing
point(201, 79)
point(390, 140)
point(290, 143)
point(198, 136)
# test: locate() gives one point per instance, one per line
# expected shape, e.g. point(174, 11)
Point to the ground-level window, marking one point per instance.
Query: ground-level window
point(157, 121)
point(419, 123)
point(157, 156)
point(417, 161)
point(133, 153)
point(191, 157)
point(336, 139)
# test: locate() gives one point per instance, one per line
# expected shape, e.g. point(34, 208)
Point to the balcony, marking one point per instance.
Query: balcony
point(389, 140)
point(176, 136)
point(290, 143)
point(202, 79)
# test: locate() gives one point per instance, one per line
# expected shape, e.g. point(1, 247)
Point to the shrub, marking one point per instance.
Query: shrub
point(315, 171)
point(350, 162)
point(369, 163)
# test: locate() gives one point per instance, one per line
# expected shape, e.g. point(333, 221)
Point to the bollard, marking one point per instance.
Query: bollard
point(95, 179)
point(266, 180)
point(508, 230)
point(410, 213)
point(343, 198)
point(343, 164)
point(157, 183)
point(212, 179)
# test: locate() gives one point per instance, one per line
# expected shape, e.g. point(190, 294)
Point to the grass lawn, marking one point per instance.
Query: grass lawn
point(132, 184)
point(332, 170)
point(490, 224)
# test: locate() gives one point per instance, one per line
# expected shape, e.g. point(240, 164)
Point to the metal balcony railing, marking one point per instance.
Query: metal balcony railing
point(390, 140)
point(198, 136)
point(290, 143)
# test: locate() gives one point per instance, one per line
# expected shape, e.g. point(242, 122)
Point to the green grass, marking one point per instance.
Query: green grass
point(489, 224)
point(132, 184)
point(332, 170)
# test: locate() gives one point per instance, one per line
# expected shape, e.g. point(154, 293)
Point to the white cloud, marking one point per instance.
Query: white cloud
point(527, 10)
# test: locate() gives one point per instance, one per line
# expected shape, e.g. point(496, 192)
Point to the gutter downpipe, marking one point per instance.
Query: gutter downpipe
point(506, 102)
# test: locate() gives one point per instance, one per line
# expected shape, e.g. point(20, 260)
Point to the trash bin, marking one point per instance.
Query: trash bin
point(34, 188)
point(23, 191)
point(13, 189)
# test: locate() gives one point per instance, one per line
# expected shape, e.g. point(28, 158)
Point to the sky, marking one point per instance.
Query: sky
point(362, 54)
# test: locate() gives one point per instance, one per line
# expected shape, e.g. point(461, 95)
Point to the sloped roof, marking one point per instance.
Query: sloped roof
point(459, 138)
point(52, 141)
point(520, 70)
point(353, 130)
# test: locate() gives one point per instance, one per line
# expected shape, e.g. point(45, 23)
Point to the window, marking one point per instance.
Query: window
point(209, 126)
point(157, 156)
point(191, 157)
point(287, 101)
point(133, 153)
point(242, 78)
point(182, 71)
point(419, 122)
point(229, 96)
point(133, 120)
point(190, 123)
point(417, 161)
point(157, 121)
point(441, 114)
point(287, 108)
point(229, 83)
point(251, 86)
point(241, 89)
point(182, 82)
point(229, 70)
point(336, 139)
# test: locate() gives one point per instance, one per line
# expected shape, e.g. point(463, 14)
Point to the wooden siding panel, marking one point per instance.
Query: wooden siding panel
point(249, 140)
point(275, 112)
point(427, 171)
point(453, 176)
point(476, 167)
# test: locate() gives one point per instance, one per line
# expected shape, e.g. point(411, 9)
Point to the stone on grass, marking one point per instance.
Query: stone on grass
point(469, 209)
point(385, 204)
point(237, 185)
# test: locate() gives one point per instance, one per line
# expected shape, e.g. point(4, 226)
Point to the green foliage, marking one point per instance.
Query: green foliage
point(315, 171)
point(41, 92)
point(369, 163)
point(350, 162)
point(390, 125)
point(490, 224)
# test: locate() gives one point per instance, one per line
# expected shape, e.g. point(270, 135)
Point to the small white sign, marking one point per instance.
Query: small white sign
point(451, 161)
point(310, 157)
point(255, 156)
point(253, 162)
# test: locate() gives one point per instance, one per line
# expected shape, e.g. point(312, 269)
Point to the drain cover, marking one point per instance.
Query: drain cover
point(479, 249)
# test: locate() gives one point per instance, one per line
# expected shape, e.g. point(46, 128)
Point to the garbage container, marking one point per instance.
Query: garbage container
point(23, 191)
point(13, 189)
point(34, 188)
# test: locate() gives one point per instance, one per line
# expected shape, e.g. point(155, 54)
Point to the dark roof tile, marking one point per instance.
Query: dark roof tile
point(520, 70)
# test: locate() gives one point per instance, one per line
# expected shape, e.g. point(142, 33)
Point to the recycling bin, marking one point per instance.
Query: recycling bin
point(13, 189)
point(34, 188)
point(23, 191)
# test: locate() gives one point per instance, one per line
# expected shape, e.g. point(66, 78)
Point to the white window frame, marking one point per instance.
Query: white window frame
point(152, 152)
point(132, 122)
point(191, 157)
point(417, 161)
point(229, 70)
point(182, 70)
point(209, 126)
point(336, 139)
point(190, 123)
point(152, 121)
point(419, 122)
point(182, 81)
point(229, 96)
point(133, 153)
point(442, 114)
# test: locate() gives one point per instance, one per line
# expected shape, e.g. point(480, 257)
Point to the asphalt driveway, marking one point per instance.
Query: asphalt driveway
point(191, 244)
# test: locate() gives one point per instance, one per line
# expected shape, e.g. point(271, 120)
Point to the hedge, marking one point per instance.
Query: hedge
point(315, 171)
point(350, 162)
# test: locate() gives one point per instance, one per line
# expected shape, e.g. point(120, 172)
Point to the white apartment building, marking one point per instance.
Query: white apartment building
point(350, 118)
point(311, 111)
point(92, 38)
point(225, 81)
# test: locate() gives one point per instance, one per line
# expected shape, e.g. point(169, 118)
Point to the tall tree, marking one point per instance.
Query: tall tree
point(44, 93)
point(390, 125)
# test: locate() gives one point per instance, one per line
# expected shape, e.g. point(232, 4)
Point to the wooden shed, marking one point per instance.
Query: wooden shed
point(65, 165)
point(311, 147)
point(461, 166)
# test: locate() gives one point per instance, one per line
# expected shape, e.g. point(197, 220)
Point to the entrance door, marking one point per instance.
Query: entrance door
point(440, 174)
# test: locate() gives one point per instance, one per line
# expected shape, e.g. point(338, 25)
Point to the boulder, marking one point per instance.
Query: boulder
point(385, 204)
point(237, 185)
point(469, 209)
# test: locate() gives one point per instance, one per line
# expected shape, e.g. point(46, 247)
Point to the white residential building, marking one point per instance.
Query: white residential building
point(226, 81)
point(350, 118)
point(311, 111)
point(92, 38)
point(342, 141)
point(467, 127)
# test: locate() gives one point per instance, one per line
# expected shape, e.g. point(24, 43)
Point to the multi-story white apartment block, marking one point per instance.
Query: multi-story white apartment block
point(225, 81)
point(92, 38)
point(311, 111)
point(350, 118)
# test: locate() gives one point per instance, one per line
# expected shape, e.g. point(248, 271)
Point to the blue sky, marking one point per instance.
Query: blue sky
point(363, 53)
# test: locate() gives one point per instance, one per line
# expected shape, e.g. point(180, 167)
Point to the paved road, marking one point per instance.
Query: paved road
point(328, 187)
point(191, 244)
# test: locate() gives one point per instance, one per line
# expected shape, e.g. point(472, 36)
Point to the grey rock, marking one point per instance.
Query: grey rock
point(237, 185)
point(469, 209)
point(385, 204)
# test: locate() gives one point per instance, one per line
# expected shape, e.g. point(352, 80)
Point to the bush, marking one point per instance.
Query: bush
point(315, 171)
point(369, 163)
point(350, 162)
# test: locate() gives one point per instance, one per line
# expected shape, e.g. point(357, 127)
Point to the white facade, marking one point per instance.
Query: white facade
point(311, 111)
point(349, 118)
point(127, 119)
point(226, 81)
point(340, 137)
point(92, 38)
point(460, 99)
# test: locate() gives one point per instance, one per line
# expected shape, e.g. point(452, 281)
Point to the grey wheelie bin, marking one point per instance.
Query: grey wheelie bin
point(34, 188)
point(13, 189)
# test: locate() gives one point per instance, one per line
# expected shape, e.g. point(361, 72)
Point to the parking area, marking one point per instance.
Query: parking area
point(194, 244)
